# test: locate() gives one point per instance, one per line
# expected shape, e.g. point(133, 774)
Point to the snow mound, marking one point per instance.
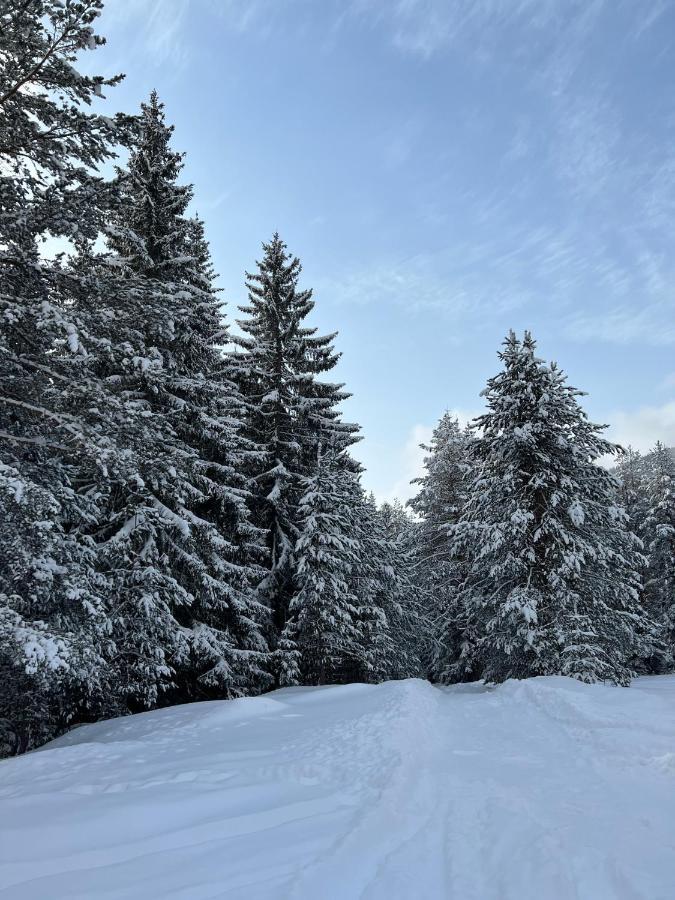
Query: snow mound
point(544, 788)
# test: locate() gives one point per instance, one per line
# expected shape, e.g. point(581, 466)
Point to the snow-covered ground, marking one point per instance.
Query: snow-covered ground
point(538, 790)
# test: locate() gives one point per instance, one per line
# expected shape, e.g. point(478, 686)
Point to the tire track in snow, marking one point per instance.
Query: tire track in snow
point(368, 860)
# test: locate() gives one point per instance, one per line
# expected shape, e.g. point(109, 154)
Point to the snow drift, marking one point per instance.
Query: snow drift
point(538, 789)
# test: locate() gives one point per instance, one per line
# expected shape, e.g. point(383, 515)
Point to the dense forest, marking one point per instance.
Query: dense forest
point(181, 514)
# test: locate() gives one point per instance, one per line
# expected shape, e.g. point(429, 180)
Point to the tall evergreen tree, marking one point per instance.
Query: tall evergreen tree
point(177, 539)
point(633, 490)
point(53, 627)
point(321, 639)
point(392, 622)
point(442, 488)
point(658, 533)
point(407, 615)
point(291, 412)
point(372, 581)
point(552, 584)
point(439, 504)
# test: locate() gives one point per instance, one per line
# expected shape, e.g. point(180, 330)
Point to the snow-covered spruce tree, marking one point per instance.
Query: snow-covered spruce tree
point(392, 623)
point(443, 491)
point(552, 584)
point(658, 533)
point(374, 582)
point(408, 619)
point(633, 489)
point(214, 424)
point(290, 413)
point(53, 628)
point(320, 640)
point(177, 539)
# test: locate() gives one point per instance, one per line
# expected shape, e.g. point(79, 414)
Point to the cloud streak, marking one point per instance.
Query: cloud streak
point(643, 427)
point(158, 27)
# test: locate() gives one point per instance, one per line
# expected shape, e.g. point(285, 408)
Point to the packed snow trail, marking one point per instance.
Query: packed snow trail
point(537, 790)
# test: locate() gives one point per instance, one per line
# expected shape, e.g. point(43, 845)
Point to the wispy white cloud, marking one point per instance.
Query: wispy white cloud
point(585, 143)
point(506, 269)
point(151, 29)
point(217, 201)
point(574, 281)
point(652, 14)
point(426, 27)
point(643, 427)
point(164, 27)
point(157, 27)
point(651, 325)
point(410, 465)
point(407, 283)
point(558, 29)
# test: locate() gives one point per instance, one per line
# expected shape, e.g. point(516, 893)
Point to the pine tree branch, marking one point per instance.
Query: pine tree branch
point(63, 418)
point(40, 63)
point(41, 442)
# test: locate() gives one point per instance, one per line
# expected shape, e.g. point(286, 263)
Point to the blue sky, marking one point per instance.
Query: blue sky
point(446, 170)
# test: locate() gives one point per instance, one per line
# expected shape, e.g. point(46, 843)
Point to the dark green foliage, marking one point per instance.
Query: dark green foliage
point(292, 415)
point(552, 584)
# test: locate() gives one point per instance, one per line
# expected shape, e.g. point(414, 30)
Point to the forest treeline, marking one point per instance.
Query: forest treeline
point(181, 515)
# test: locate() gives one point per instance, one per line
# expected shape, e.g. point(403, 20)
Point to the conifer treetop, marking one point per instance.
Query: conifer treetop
point(276, 302)
point(553, 580)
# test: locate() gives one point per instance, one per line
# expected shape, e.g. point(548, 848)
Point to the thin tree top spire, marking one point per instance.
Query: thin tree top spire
point(151, 231)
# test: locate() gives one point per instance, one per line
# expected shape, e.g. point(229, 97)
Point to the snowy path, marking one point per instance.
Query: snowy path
point(538, 790)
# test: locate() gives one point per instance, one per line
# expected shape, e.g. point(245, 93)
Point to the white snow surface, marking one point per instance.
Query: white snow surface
point(544, 789)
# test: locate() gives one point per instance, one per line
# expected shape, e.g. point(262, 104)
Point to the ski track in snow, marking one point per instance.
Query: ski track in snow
point(537, 790)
